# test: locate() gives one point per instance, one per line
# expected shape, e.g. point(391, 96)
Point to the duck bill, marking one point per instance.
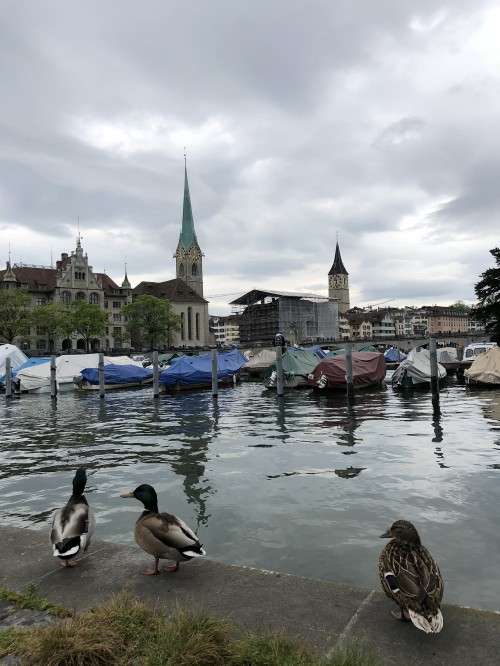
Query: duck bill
point(127, 495)
point(385, 535)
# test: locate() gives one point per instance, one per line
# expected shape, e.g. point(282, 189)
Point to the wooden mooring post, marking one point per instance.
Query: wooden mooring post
point(434, 376)
point(156, 376)
point(280, 384)
point(215, 384)
point(100, 368)
point(53, 380)
point(8, 378)
point(348, 373)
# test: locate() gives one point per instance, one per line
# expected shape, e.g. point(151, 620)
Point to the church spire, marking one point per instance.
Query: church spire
point(188, 234)
point(126, 284)
point(337, 266)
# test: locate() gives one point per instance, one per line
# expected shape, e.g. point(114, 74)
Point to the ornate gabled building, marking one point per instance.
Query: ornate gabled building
point(72, 279)
point(338, 282)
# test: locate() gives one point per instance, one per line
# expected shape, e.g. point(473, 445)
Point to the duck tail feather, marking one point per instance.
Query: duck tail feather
point(432, 624)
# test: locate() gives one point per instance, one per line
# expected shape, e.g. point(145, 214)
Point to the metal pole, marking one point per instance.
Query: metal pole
point(156, 376)
point(348, 371)
point(215, 385)
point(434, 375)
point(8, 378)
point(280, 388)
point(53, 382)
point(101, 375)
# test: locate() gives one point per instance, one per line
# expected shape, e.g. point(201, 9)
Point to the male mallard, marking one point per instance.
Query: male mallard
point(410, 577)
point(162, 535)
point(73, 524)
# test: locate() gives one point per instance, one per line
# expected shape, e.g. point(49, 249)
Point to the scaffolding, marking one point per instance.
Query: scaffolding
point(301, 318)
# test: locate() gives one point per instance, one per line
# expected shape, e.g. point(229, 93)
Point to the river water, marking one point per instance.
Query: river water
point(303, 485)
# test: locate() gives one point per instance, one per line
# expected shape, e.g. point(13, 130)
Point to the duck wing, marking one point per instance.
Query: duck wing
point(72, 524)
point(170, 531)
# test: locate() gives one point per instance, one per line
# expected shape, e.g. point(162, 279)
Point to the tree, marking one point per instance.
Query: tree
point(14, 314)
point(55, 318)
point(151, 317)
point(89, 320)
point(488, 293)
point(460, 306)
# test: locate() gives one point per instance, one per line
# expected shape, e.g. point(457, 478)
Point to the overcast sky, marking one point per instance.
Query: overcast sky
point(377, 120)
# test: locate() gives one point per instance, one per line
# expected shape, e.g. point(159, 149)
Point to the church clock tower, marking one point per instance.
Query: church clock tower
point(338, 282)
point(188, 256)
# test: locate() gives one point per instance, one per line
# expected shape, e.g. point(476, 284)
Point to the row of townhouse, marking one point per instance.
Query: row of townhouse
point(357, 324)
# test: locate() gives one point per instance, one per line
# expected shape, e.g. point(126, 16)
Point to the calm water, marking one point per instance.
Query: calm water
point(304, 485)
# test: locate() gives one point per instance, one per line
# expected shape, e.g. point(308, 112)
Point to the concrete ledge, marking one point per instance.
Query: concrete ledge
point(317, 612)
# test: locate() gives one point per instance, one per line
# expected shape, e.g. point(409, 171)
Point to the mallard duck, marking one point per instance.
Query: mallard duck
point(73, 524)
point(410, 577)
point(162, 535)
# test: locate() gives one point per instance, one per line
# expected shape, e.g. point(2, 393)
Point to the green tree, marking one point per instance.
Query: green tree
point(89, 320)
point(14, 314)
point(487, 291)
point(460, 306)
point(153, 318)
point(56, 319)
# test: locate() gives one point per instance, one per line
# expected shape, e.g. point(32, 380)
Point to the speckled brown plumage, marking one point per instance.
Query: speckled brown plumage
point(411, 578)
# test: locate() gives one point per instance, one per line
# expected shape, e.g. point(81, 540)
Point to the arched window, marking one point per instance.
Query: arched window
point(197, 319)
point(194, 270)
point(190, 323)
point(66, 297)
point(80, 296)
point(181, 270)
point(182, 326)
point(94, 298)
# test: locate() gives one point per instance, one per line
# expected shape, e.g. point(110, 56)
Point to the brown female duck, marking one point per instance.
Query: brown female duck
point(162, 535)
point(410, 577)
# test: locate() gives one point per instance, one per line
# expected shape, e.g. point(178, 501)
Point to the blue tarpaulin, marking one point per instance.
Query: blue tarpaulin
point(197, 370)
point(118, 374)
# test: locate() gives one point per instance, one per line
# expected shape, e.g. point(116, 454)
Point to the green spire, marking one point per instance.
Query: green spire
point(188, 233)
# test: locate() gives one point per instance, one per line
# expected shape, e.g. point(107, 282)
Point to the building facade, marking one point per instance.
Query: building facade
point(73, 279)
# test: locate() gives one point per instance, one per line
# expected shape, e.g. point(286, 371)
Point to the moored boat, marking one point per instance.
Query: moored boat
point(485, 369)
point(297, 366)
point(368, 369)
point(115, 377)
point(415, 370)
point(193, 372)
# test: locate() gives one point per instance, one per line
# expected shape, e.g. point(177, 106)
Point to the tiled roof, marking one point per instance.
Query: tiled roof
point(176, 291)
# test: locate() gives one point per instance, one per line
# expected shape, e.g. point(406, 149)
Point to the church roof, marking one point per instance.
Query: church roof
point(337, 266)
point(175, 291)
point(188, 234)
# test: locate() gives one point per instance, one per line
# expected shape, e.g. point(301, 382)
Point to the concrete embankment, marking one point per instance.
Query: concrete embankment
point(317, 612)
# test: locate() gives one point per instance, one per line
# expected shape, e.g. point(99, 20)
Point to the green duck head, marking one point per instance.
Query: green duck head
point(402, 530)
point(79, 481)
point(145, 494)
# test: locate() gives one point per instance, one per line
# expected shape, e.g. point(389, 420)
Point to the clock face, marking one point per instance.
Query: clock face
point(180, 253)
point(194, 254)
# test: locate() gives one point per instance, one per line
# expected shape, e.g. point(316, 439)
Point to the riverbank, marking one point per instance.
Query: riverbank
point(316, 612)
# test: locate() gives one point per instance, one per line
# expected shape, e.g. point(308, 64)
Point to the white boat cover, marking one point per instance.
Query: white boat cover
point(67, 366)
point(485, 368)
point(447, 355)
point(418, 366)
point(17, 357)
point(260, 361)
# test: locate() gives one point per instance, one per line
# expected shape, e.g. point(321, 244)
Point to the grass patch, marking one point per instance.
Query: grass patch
point(30, 599)
point(124, 631)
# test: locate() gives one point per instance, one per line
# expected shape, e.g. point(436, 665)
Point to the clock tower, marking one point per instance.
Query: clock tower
point(338, 282)
point(188, 256)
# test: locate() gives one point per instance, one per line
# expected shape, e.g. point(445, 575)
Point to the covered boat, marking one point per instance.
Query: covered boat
point(36, 379)
point(191, 372)
point(260, 362)
point(485, 369)
point(415, 370)
point(115, 376)
point(297, 366)
point(17, 358)
point(368, 369)
point(394, 355)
